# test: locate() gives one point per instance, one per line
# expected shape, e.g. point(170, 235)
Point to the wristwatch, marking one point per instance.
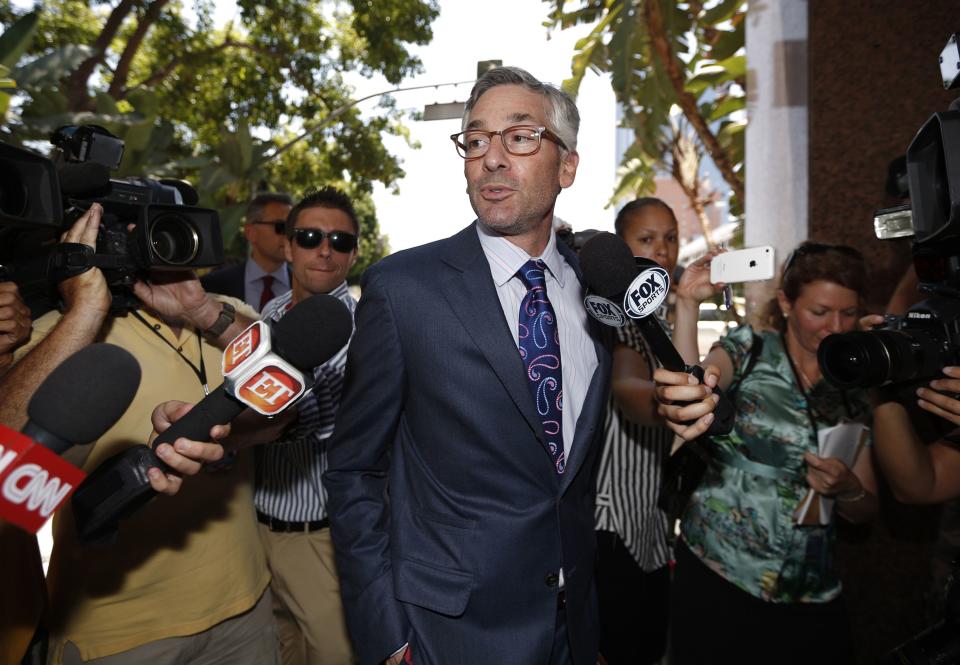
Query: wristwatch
point(227, 315)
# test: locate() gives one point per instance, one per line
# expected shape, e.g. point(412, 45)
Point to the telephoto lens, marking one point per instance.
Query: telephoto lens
point(865, 359)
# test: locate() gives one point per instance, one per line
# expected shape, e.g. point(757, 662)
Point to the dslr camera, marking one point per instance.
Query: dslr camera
point(911, 350)
point(146, 224)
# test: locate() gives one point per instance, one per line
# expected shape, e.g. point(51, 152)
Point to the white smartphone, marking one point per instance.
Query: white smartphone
point(743, 265)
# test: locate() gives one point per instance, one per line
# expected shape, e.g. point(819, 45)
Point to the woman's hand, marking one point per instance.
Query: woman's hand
point(691, 417)
point(694, 284)
point(939, 404)
point(830, 477)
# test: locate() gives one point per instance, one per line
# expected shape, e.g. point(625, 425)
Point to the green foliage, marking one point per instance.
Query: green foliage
point(707, 40)
point(217, 104)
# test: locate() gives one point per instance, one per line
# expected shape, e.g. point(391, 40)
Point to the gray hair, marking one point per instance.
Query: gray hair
point(563, 118)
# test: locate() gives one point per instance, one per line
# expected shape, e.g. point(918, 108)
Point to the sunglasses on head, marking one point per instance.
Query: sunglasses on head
point(279, 225)
point(341, 241)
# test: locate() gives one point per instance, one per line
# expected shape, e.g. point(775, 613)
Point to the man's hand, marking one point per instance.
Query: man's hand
point(86, 294)
point(185, 457)
point(939, 404)
point(15, 322)
point(691, 420)
point(179, 295)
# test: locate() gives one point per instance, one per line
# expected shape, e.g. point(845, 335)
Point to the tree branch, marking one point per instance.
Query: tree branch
point(122, 72)
point(75, 87)
point(686, 101)
point(165, 71)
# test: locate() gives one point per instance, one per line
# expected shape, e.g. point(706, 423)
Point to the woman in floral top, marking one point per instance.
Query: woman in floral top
point(750, 585)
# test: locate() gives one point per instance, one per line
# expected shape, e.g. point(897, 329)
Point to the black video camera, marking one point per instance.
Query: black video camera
point(908, 351)
point(145, 224)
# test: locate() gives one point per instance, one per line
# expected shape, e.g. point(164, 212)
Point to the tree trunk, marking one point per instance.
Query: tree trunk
point(119, 82)
point(75, 87)
point(686, 101)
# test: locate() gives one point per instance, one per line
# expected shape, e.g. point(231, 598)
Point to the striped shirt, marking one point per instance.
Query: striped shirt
point(578, 354)
point(631, 472)
point(289, 470)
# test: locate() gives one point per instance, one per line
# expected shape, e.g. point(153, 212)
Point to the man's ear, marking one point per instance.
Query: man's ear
point(247, 231)
point(568, 169)
point(288, 249)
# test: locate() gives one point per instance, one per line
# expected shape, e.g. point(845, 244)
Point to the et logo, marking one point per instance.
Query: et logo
point(269, 390)
point(605, 311)
point(646, 292)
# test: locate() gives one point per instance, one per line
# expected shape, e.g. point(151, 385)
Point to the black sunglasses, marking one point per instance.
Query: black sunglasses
point(341, 241)
point(279, 225)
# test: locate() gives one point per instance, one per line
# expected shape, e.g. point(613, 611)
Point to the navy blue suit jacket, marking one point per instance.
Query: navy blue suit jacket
point(448, 517)
point(227, 281)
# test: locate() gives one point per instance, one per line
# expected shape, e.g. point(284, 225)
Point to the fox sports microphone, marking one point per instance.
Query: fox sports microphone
point(266, 367)
point(67, 409)
point(623, 286)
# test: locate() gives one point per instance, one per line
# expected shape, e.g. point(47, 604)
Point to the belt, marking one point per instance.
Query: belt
point(291, 527)
point(756, 468)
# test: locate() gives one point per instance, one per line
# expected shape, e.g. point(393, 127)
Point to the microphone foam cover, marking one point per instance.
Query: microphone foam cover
point(86, 394)
point(608, 265)
point(313, 331)
point(86, 179)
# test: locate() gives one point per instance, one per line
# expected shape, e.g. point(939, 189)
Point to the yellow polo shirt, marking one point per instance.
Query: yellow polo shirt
point(181, 564)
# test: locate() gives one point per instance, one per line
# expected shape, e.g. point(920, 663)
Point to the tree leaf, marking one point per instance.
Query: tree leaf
point(50, 68)
point(16, 39)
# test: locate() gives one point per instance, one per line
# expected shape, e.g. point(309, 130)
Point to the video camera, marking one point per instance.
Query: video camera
point(909, 351)
point(146, 224)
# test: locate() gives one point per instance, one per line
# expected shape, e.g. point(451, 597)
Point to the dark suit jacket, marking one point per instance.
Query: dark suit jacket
point(448, 517)
point(227, 281)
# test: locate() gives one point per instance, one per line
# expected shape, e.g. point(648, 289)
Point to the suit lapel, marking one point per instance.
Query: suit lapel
point(472, 296)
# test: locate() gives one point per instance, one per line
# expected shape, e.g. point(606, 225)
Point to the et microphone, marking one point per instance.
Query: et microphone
point(67, 409)
point(623, 286)
point(266, 368)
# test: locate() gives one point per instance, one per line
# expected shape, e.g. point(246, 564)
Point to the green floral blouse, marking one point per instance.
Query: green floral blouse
point(740, 522)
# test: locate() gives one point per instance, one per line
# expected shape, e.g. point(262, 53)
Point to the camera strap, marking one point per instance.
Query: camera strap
point(200, 371)
point(69, 259)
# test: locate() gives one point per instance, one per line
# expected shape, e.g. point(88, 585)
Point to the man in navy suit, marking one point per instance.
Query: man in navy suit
point(264, 275)
point(461, 470)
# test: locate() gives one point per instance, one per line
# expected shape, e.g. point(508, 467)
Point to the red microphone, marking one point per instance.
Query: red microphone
point(34, 479)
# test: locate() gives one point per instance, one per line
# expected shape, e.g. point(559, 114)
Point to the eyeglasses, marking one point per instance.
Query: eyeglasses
point(341, 241)
point(518, 140)
point(815, 248)
point(279, 225)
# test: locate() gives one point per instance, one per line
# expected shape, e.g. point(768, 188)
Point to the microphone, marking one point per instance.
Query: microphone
point(266, 368)
point(67, 409)
point(621, 286)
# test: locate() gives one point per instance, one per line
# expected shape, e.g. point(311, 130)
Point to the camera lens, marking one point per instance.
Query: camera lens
point(174, 239)
point(854, 359)
point(863, 359)
point(13, 191)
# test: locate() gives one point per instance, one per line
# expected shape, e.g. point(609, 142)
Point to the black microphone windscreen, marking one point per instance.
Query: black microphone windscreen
point(86, 394)
point(608, 265)
point(313, 331)
point(86, 179)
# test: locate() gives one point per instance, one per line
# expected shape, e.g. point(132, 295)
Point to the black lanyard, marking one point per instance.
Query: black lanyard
point(811, 413)
point(200, 371)
point(807, 406)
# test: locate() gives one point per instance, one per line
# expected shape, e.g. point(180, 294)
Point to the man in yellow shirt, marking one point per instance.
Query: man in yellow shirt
point(186, 578)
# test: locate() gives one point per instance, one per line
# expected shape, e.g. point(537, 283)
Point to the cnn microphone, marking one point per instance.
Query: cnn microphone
point(267, 368)
point(623, 286)
point(67, 409)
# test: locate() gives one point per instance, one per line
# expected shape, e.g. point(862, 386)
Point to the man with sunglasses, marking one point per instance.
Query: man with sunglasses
point(264, 275)
point(320, 244)
point(460, 479)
